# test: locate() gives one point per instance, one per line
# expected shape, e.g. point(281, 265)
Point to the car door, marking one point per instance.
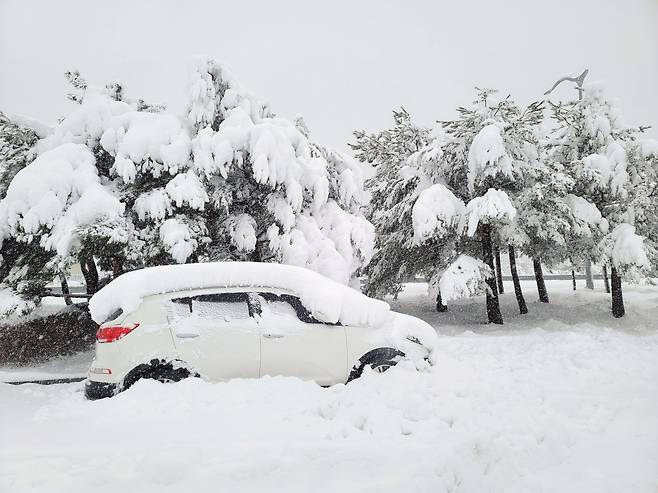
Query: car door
point(295, 344)
point(216, 335)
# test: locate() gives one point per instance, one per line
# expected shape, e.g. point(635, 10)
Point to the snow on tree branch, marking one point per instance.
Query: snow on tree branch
point(55, 195)
point(435, 211)
point(487, 156)
point(586, 216)
point(625, 249)
point(493, 206)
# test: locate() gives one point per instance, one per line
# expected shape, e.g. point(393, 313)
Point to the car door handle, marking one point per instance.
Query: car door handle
point(187, 335)
point(272, 336)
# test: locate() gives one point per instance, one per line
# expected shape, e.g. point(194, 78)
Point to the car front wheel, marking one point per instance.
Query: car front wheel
point(380, 360)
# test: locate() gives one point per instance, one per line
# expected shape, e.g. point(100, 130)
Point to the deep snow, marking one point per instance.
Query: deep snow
point(563, 399)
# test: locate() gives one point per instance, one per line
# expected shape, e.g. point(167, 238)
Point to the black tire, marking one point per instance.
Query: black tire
point(161, 371)
point(380, 360)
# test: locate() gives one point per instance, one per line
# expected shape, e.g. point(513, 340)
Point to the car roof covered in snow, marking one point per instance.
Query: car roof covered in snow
point(326, 299)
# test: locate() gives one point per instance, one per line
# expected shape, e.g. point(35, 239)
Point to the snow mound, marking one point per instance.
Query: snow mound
point(59, 192)
point(327, 300)
point(435, 210)
point(464, 278)
point(494, 205)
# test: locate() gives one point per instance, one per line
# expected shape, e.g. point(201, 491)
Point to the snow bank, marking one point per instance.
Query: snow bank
point(327, 300)
point(464, 278)
point(435, 210)
point(493, 206)
point(521, 410)
point(59, 192)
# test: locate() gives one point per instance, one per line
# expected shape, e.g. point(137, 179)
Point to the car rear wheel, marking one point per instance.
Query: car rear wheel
point(165, 372)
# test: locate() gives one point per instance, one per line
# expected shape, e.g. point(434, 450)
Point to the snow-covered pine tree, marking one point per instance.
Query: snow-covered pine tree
point(397, 257)
point(125, 185)
point(22, 266)
point(609, 168)
point(483, 158)
point(16, 142)
point(273, 192)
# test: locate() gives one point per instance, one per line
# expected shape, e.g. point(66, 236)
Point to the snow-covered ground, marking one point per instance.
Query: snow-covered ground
point(563, 399)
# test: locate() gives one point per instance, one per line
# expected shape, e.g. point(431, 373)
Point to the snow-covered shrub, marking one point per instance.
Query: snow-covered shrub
point(12, 304)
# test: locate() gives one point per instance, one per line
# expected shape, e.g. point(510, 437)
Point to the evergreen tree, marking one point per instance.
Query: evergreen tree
point(484, 158)
point(397, 256)
point(16, 142)
point(121, 184)
point(610, 172)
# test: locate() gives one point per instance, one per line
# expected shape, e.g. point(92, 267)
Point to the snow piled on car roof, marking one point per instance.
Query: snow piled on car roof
point(326, 299)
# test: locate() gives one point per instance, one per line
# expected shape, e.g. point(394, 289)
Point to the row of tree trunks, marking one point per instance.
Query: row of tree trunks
point(523, 308)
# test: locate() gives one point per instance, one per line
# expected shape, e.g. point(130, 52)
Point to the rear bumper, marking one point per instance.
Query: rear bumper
point(99, 390)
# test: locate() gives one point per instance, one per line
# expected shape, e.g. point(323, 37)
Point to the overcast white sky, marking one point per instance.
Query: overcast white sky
point(342, 64)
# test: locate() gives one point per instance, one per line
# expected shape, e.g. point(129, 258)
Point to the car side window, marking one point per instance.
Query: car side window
point(288, 305)
point(220, 306)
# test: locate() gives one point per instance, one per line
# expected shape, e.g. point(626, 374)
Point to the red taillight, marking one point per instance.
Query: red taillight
point(114, 332)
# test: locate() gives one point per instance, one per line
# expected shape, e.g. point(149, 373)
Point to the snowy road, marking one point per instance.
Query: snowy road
point(559, 408)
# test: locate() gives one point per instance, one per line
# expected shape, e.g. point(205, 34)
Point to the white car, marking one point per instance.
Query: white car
point(241, 320)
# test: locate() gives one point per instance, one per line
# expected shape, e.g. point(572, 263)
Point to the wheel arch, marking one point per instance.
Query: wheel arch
point(371, 357)
point(157, 367)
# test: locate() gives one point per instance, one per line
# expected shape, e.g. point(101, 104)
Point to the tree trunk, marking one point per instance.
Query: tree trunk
point(117, 267)
point(65, 288)
point(539, 277)
point(440, 307)
point(589, 281)
point(573, 279)
point(523, 308)
point(499, 271)
point(493, 305)
point(606, 281)
point(617, 296)
point(90, 273)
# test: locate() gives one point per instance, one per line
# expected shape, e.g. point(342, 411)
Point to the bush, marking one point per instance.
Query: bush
point(38, 339)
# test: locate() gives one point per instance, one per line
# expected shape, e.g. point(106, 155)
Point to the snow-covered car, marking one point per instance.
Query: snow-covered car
point(239, 320)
